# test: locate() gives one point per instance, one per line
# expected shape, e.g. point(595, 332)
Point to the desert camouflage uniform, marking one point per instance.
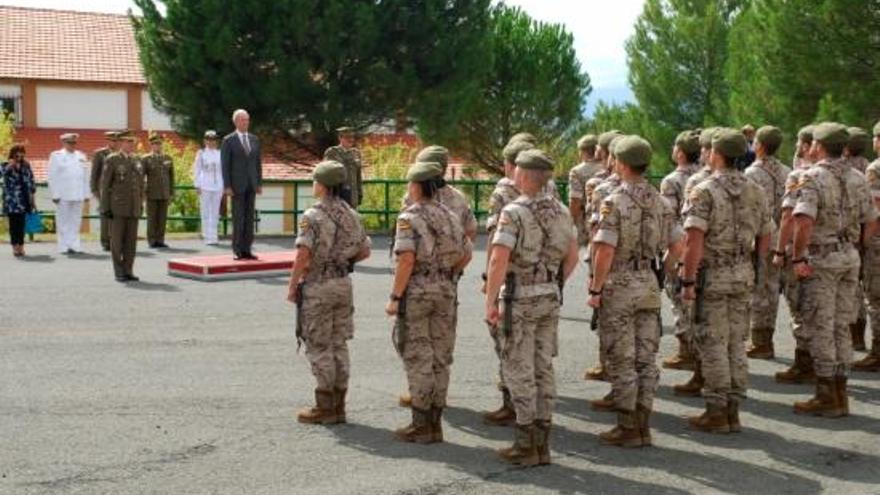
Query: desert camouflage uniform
point(333, 234)
point(455, 201)
point(859, 163)
point(770, 174)
point(539, 232)
point(433, 233)
point(798, 330)
point(577, 184)
point(872, 264)
point(672, 190)
point(836, 196)
point(732, 212)
point(639, 224)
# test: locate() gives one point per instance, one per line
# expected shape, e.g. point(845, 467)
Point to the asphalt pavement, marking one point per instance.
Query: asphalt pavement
point(174, 386)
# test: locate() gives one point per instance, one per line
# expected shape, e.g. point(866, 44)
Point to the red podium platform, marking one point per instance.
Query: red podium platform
point(224, 267)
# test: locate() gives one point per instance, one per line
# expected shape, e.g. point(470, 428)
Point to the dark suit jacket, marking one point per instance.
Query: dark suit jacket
point(242, 171)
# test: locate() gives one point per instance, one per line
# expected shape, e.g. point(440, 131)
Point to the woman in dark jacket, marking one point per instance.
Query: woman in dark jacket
point(18, 195)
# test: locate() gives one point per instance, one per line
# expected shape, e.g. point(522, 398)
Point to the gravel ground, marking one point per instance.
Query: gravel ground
point(174, 386)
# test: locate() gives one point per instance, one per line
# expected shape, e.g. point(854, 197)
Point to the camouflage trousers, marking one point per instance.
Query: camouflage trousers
point(798, 329)
point(327, 327)
point(681, 311)
point(722, 346)
point(428, 346)
point(765, 298)
point(527, 357)
point(629, 310)
point(872, 293)
point(829, 308)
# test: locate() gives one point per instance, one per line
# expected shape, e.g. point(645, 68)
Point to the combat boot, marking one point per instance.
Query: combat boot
point(801, 370)
point(340, 404)
point(404, 400)
point(419, 430)
point(871, 362)
point(523, 452)
point(825, 402)
point(694, 386)
point(323, 412)
point(643, 415)
point(626, 434)
point(437, 424)
point(542, 441)
point(597, 374)
point(762, 344)
point(858, 334)
point(713, 420)
point(684, 359)
point(605, 404)
point(503, 416)
point(842, 394)
point(733, 415)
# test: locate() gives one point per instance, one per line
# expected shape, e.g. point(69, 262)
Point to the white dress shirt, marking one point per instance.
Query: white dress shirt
point(209, 175)
point(68, 175)
point(245, 141)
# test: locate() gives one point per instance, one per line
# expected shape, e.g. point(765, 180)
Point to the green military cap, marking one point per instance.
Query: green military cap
point(345, 130)
point(330, 173)
point(112, 135)
point(155, 138)
point(859, 140)
point(730, 143)
point(435, 154)
point(515, 148)
point(606, 137)
point(523, 136)
point(127, 136)
point(212, 135)
point(688, 142)
point(806, 133)
point(633, 151)
point(422, 171)
point(588, 141)
point(69, 137)
point(770, 136)
point(706, 137)
point(830, 133)
point(612, 146)
point(877, 129)
point(534, 159)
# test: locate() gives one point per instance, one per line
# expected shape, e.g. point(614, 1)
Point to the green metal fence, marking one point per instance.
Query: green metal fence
point(379, 216)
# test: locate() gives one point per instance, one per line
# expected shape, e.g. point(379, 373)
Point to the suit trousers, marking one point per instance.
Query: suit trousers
point(157, 216)
point(243, 205)
point(68, 220)
point(123, 244)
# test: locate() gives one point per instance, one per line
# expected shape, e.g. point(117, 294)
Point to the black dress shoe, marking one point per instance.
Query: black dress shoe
point(132, 278)
point(238, 257)
point(162, 245)
point(251, 256)
point(122, 279)
point(70, 251)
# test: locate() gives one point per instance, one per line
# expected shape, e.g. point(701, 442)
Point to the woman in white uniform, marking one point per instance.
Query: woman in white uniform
point(209, 183)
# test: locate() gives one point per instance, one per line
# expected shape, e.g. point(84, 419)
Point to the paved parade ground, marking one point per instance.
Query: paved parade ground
point(173, 386)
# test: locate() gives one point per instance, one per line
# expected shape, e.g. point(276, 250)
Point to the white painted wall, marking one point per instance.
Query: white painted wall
point(82, 108)
point(152, 119)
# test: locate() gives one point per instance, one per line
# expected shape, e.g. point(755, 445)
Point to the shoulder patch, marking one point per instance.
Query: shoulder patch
point(607, 208)
point(403, 224)
point(303, 223)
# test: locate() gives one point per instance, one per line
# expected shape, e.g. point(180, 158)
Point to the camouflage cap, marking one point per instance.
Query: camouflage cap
point(534, 159)
point(523, 136)
point(515, 148)
point(877, 129)
point(128, 137)
point(422, 171)
point(155, 138)
point(330, 173)
point(69, 137)
point(435, 154)
point(633, 151)
point(706, 136)
point(212, 135)
point(688, 142)
point(588, 141)
point(831, 133)
point(730, 142)
point(806, 133)
point(859, 140)
point(770, 136)
point(606, 137)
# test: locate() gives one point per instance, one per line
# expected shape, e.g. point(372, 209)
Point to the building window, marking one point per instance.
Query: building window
point(10, 101)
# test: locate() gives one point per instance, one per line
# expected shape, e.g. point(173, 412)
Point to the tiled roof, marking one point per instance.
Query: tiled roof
point(67, 46)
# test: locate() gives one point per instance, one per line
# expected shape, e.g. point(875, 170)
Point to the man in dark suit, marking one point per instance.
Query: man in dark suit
point(243, 179)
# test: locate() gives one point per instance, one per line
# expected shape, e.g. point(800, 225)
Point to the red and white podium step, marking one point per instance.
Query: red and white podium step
point(225, 267)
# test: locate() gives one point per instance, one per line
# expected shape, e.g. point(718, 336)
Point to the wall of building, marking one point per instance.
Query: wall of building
point(151, 118)
point(81, 108)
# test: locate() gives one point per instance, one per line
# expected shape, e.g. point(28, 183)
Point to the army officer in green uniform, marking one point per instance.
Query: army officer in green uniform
point(159, 172)
point(122, 199)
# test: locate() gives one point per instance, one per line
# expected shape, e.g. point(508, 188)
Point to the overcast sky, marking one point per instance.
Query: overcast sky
point(600, 29)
